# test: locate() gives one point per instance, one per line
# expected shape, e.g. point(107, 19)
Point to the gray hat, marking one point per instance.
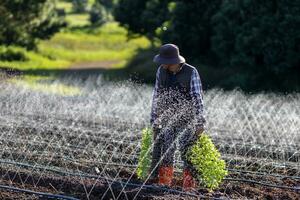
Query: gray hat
point(169, 54)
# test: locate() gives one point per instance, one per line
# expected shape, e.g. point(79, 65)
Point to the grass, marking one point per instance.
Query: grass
point(67, 6)
point(34, 61)
point(45, 85)
point(73, 45)
point(107, 43)
point(77, 20)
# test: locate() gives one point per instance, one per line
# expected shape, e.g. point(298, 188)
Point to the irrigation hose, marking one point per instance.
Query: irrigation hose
point(263, 174)
point(121, 182)
point(297, 189)
point(40, 194)
point(157, 188)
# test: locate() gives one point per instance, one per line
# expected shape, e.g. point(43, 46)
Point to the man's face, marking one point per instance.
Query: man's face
point(169, 66)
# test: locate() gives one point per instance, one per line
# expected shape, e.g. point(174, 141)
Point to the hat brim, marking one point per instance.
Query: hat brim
point(161, 60)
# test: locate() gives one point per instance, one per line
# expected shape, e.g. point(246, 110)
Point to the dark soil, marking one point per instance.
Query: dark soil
point(78, 187)
point(238, 185)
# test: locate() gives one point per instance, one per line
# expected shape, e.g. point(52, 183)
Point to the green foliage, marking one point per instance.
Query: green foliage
point(98, 14)
point(208, 163)
point(23, 22)
point(127, 12)
point(107, 45)
point(108, 4)
point(78, 20)
point(64, 6)
point(11, 54)
point(145, 155)
point(151, 15)
point(190, 26)
point(22, 59)
point(80, 6)
point(261, 40)
point(251, 44)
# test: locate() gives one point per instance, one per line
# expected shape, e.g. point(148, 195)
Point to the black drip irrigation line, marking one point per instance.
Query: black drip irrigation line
point(157, 188)
point(297, 189)
point(167, 189)
point(160, 188)
point(40, 194)
point(229, 169)
point(263, 174)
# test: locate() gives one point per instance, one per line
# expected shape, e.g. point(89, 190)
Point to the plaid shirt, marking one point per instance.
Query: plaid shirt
point(196, 93)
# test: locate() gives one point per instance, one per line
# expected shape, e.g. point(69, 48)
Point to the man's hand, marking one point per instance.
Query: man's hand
point(199, 129)
point(156, 124)
point(155, 128)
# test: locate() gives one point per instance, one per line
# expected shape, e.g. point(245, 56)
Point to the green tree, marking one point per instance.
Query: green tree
point(128, 12)
point(142, 17)
point(259, 41)
point(101, 11)
point(251, 44)
point(98, 14)
point(108, 4)
point(22, 22)
point(190, 27)
point(80, 6)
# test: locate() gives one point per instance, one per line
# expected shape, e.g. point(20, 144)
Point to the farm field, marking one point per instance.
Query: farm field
point(75, 99)
point(85, 145)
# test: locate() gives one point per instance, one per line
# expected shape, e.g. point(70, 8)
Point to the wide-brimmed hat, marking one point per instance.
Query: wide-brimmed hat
point(169, 54)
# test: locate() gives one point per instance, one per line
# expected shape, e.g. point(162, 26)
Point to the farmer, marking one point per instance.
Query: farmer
point(177, 113)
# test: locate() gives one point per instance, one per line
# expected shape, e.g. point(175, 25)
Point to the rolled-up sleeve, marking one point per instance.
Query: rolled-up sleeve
point(153, 116)
point(197, 96)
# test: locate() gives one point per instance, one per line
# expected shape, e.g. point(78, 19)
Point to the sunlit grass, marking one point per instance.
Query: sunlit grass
point(108, 43)
point(34, 61)
point(77, 20)
point(67, 6)
point(44, 84)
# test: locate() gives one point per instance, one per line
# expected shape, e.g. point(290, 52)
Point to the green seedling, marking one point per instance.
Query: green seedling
point(206, 159)
point(145, 156)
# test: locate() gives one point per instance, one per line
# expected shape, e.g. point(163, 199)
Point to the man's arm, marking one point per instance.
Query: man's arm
point(197, 95)
point(154, 99)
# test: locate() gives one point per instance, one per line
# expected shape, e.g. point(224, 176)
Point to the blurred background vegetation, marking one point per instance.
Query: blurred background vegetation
point(250, 44)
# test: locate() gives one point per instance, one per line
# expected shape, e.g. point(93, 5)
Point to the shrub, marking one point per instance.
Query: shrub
point(11, 54)
point(80, 6)
point(22, 23)
point(145, 156)
point(98, 14)
point(206, 159)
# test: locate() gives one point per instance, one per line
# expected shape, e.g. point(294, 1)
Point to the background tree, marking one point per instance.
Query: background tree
point(98, 14)
point(23, 22)
point(101, 11)
point(190, 26)
point(142, 17)
point(108, 4)
point(80, 6)
point(251, 44)
point(259, 41)
point(128, 12)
